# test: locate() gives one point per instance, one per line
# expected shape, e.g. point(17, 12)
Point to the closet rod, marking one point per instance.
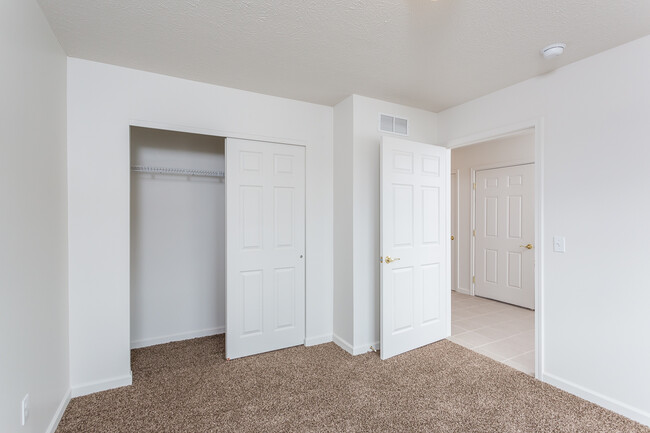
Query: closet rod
point(177, 171)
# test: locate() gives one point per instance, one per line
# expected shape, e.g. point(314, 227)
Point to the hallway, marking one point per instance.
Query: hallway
point(503, 332)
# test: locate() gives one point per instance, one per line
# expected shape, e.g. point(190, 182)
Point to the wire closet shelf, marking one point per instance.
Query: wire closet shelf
point(176, 171)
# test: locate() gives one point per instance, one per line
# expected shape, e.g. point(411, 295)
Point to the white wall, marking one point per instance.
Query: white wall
point(595, 191)
point(178, 252)
point(364, 240)
point(343, 248)
point(516, 148)
point(33, 220)
point(102, 101)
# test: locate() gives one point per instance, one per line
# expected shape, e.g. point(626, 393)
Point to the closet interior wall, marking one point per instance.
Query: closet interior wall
point(177, 238)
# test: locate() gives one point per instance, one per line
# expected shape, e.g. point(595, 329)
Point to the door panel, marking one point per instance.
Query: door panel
point(504, 267)
point(265, 245)
point(430, 290)
point(415, 298)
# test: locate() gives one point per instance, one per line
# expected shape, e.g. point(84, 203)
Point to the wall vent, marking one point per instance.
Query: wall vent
point(394, 125)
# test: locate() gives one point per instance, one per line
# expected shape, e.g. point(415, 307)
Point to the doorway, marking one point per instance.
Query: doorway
point(496, 211)
point(177, 236)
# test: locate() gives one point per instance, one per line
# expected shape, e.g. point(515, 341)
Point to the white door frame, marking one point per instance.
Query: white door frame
point(216, 132)
point(457, 173)
point(538, 126)
point(473, 170)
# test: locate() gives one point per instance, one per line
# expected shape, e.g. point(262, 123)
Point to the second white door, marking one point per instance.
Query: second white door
point(505, 231)
point(265, 246)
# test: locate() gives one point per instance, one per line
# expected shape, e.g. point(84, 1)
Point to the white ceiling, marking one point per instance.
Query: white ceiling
point(421, 53)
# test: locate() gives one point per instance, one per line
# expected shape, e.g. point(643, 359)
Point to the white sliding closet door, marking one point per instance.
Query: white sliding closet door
point(265, 247)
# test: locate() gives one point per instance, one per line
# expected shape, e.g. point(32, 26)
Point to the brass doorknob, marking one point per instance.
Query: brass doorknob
point(452, 237)
point(390, 260)
point(529, 246)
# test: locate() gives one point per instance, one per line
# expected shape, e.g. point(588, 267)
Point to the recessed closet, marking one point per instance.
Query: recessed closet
point(177, 236)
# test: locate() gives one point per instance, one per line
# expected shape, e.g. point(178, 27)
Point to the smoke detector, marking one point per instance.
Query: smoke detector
point(553, 50)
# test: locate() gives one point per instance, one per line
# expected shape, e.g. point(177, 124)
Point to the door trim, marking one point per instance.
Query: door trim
point(215, 132)
point(457, 173)
point(537, 124)
point(472, 212)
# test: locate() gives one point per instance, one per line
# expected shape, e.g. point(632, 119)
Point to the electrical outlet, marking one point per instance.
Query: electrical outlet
point(25, 409)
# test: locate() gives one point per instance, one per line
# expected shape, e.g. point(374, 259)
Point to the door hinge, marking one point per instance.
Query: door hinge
point(474, 186)
point(474, 233)
point(474, 280)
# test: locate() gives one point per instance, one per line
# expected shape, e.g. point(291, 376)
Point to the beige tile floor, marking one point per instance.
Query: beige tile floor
point(501, 331)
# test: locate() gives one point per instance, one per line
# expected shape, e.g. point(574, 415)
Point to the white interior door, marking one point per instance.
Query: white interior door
point(415, 287)
point(505, 232)
point(265, 247)
point(454, 231)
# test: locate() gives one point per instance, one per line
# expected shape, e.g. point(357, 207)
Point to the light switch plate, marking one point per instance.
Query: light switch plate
point(559, 244)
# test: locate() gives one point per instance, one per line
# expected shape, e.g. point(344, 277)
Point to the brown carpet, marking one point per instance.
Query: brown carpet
point(188, 387)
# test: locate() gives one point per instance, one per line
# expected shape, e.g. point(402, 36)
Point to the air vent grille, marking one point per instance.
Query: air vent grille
point(393, 124)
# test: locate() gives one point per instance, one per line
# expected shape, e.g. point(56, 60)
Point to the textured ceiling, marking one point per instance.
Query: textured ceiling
point(422, 53)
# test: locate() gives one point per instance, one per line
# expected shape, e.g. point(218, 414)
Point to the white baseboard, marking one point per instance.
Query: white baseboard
point(365, 348)
point(177, 337)
point(463, 291)
point(321, 339)
point(614, 405)
point(56, 419)
point(101, 385)
point(354, 350)
point(343, 344)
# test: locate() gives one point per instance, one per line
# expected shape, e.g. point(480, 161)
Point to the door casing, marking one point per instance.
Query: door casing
point(537, 125)
point(455, 259)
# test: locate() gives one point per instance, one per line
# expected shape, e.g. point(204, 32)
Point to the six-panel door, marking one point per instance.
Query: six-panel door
point(505, 232)
point(265, 244)
point(415, 287)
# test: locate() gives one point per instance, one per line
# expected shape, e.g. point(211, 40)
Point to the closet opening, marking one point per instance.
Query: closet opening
point(178, 239)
